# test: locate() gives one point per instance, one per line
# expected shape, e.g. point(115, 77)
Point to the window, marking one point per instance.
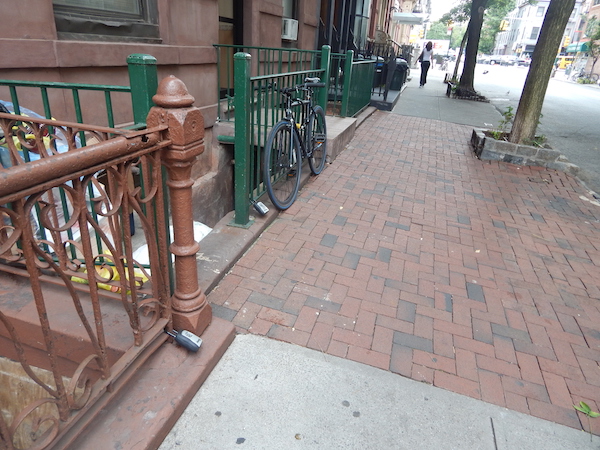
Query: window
point(112, 20)
point(534, 33)
point(540, 11)
point(289, 9)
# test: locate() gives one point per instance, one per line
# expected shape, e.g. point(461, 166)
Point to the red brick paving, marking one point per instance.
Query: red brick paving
point(411, 255)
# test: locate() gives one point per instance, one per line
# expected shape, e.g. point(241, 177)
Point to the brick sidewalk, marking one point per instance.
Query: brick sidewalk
point(410, 255)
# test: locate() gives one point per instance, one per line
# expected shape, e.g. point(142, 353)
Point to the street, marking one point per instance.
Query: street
point(570, 113)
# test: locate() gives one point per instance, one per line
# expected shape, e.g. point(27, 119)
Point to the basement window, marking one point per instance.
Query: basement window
point(107, 20)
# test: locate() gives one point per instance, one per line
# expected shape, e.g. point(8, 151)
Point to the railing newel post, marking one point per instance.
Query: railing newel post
point(185, 130)
point(143, 79)
point(347, 83)
point(326, 67)
point(242, 107)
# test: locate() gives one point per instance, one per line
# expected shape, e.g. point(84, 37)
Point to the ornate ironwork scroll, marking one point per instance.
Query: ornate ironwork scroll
point(78, 217)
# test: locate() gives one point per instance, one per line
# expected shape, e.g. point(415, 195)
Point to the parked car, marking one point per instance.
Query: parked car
point(524, 61)
point(495, 59)
point(508, 60)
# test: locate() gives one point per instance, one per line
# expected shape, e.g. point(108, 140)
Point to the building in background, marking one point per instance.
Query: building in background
point(410, 20)
point(356, 24)
point(521, 28)
point(579, 49)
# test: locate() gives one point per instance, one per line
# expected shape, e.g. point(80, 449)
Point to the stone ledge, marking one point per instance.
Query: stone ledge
point(490, 149)
point(149, 405)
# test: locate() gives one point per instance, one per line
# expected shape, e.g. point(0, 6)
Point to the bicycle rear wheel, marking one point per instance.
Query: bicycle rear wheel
point(318, 141)
point(282, 165)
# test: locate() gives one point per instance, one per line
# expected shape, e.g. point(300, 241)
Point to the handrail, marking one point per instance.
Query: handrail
point(265, 61)
point(283, 49)
point(62, 85)
point(83, 340)
point(286, 74)
point(23, 177)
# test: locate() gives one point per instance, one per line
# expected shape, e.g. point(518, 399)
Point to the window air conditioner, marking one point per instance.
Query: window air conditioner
point(289, 29)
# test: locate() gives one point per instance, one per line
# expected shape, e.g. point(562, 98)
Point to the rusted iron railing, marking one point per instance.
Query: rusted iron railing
point(76, 101)
point(78, 317)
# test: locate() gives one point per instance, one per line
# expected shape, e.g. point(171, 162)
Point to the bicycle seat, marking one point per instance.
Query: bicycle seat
point(312, 80)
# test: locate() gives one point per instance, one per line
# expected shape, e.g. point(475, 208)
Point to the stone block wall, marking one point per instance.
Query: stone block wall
point(489, 149)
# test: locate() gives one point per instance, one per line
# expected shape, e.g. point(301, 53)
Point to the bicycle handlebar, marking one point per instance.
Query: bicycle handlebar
point(309, 83)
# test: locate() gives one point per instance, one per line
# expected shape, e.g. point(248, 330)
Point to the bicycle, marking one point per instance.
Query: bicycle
point(584, 78)
point(290, 141)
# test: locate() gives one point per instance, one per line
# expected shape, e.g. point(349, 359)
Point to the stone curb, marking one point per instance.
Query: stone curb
point(489, 149)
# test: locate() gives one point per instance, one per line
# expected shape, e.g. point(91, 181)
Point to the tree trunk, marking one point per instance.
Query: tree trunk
point(530, 105)
point(474, 31)
point(460, 53)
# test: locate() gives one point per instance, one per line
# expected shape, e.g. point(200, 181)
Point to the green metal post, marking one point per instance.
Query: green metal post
point(347, 83)
point(241, 84)
point(326, 66)
point(143, 79)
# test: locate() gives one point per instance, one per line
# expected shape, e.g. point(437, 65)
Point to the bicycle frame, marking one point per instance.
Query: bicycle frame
point(305, 123)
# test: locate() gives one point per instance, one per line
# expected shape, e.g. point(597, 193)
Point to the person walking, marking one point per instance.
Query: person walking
point(425, 58)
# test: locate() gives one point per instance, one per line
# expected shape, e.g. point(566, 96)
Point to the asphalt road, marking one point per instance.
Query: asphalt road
point(570, 115)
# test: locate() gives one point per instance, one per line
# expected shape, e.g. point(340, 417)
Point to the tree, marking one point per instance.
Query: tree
point(459, 14)
point(473, 33)
point(494, 15)
point(594, 42)
point(474, 10)
point(542, 61)
point(438, 31)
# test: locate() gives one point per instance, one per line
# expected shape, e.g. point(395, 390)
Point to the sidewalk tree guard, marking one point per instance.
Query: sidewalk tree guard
point(532, 98)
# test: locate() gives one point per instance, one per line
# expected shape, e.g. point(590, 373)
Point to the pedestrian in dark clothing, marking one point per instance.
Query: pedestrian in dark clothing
point(425, 58)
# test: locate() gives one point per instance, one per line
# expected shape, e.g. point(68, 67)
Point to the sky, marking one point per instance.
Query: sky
point(440, 7)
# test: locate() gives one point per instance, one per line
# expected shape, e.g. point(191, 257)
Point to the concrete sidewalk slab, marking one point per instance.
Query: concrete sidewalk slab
point(411, 255)
point(266, 394)
point(408, 258)
point(431, 102)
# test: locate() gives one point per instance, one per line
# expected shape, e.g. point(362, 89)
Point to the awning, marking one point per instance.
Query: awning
point(577, 47)
point(408, 18)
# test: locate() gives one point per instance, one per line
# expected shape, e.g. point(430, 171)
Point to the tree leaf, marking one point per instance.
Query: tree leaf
point(583, 407)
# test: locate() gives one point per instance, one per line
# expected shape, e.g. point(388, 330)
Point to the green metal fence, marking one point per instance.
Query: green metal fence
point(264, 61)
point(335, 92)
point(143, 83)
point(258, 104)
point(54, 96)
point(357, 85)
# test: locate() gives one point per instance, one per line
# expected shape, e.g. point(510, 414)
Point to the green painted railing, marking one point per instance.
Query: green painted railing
point(336, 84)
point(357, 85)
point(264, 61)
point(143, 80)
point(258, 107)
point(143, 83)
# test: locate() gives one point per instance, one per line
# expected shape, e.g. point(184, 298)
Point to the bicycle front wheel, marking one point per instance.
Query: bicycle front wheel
point(318, 141)
point(282, 165)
